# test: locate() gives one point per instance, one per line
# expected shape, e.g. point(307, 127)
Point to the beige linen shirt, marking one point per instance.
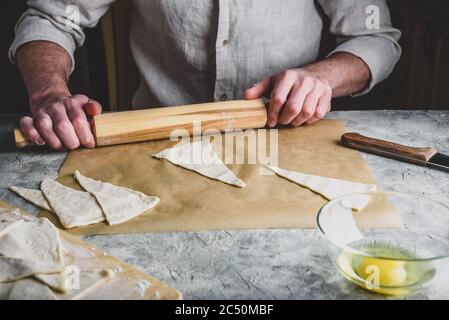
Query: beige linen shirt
point(191, 51)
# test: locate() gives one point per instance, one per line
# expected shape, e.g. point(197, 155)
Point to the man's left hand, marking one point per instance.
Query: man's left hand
point(297, 97)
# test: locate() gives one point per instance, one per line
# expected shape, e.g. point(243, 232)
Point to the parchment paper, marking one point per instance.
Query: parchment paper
point(190, 202)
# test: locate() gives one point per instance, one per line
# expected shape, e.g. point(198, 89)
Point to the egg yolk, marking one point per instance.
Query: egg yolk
point(390, 273)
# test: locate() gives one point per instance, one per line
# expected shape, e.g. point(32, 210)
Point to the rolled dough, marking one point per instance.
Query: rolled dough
point(356, 201)
point(100, 276)
point(11, 215)
point(55, 281)
point(31, 247)
point(89, 280)
point(7, 226)
point(9, 219)
point(74, 208)
point(32, 289)
point(8, 222)
point(119, 204)
point(32, 263)
point(36, 197)
point(200, 157)
point(329, 188)
point(25, 289)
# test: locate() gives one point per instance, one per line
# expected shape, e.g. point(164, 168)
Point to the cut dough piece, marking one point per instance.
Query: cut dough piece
point(84, 283)
point(89, 280)
point(200, 157)
point(75, 283)
point(344, 228)
point(32, 247)
point(329, 188)
point(36, 197)
point(12, 215)
point(119, 204)
point(74, 208)
point(356, 201)
point(6, 226)
point(25, 289)
point(56, 281)
point(10, 219)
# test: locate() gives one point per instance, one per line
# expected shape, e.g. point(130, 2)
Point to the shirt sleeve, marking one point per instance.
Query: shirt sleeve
point(363, 28)
point(60, 22)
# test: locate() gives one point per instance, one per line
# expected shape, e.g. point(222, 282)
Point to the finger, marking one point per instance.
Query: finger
point(80, 123)
point(81, 98)
point(30, 131)
point(279, 96)
point(63, 127)
point(294, 104)
point(312, 120)
point(324, 106)
point(44, 125)
point(92, 108)
point(308, 109)
point(257, 90)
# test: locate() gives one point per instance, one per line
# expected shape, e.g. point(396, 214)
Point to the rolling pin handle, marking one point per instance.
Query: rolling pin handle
point(22, 141)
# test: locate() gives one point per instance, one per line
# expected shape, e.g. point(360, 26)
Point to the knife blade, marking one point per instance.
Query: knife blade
point(428, 156)
point(439, 161)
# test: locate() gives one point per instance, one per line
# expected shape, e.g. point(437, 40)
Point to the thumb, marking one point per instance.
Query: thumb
point(258, 89)
point(92, 108)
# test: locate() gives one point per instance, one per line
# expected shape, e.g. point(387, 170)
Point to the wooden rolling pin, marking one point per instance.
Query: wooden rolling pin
point(158, 123)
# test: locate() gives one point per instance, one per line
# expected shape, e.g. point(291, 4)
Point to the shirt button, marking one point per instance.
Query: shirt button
point(225, 43)
point(224, 97)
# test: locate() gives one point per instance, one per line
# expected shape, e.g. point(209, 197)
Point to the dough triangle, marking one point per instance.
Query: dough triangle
point(119, 204)
point(6, 226)
point(329, 188)
point(89, 281)
point(36, 289)
point(55, 281)
point(10, 219)
point(36, 197)
point(12, 215)
point(74, 208)
point(25, 289)
point(31, 247)
point(200, 157)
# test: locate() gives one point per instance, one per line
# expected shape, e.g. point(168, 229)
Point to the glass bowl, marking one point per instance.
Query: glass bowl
point(389, 243)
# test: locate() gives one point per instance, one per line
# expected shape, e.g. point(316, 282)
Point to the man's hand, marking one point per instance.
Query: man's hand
point(298, 96)
point(61, 121)
point(304, 95)
point(58, 118)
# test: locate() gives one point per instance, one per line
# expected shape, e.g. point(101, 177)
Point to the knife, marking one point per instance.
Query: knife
point(428, 157)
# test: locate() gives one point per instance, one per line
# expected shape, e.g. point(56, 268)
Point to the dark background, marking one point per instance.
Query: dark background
point(105, 70)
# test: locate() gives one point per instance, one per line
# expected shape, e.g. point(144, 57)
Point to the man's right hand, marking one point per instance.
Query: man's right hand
point(61, 121)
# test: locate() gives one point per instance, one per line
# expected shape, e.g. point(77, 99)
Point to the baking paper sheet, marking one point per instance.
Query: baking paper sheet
point(191, 202)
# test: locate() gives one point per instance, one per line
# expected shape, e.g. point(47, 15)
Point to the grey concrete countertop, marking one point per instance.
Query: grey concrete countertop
point(264, 264)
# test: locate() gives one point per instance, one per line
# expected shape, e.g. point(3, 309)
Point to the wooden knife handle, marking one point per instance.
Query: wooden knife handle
point(387, 149)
